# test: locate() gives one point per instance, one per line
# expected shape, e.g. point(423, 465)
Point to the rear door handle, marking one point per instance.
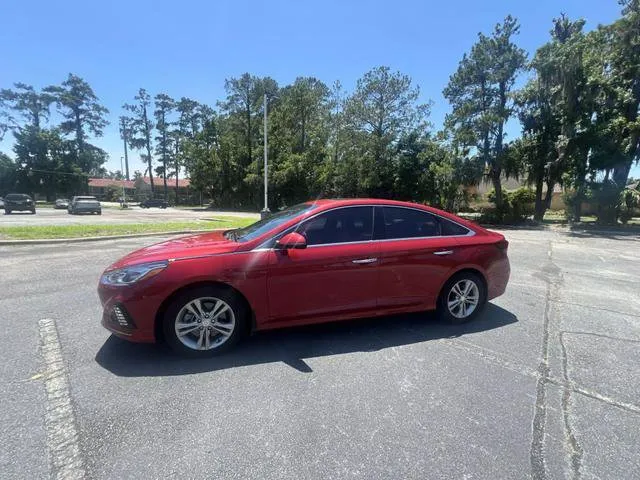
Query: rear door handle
point(443, 252)
point(364, 261)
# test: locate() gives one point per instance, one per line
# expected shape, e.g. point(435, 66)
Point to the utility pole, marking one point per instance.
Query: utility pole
point(123, 126)
point(265, 212)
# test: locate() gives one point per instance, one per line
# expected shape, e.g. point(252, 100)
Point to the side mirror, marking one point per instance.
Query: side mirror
point(292, 240)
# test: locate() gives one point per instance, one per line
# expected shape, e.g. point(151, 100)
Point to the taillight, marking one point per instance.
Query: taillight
point(502, 245)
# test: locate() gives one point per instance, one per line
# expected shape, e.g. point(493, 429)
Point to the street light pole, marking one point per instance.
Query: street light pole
point(265, 212)
point(124, 198)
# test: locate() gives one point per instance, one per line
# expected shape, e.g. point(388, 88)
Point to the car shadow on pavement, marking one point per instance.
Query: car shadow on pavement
point(293, 345)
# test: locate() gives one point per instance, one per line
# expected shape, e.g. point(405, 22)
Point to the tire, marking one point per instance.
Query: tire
point(233, 312)
point(33, 212)
point(7, 212)
point(99, 212)
point(458, 313)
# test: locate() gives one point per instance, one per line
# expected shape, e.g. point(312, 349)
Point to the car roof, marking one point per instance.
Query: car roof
point(338, 202)
point(328, 203)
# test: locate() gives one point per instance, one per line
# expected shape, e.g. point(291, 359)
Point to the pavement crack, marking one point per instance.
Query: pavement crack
point(575, 450)
point(591, 307)
point(600, 335)
point(551, 275)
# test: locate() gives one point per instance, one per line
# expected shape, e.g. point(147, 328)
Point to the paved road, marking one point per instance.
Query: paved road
point(545, 384)
point(50, 216)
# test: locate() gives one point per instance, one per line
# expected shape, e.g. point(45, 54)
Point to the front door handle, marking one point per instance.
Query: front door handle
point(364, 261)
point(443, 252)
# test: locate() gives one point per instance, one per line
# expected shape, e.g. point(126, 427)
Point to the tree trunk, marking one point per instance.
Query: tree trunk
point(150, 168)
point(549, 195)
point(177, 165)
point(577, 205)
point(496, 167)
point(540, 206)
point(497, 187)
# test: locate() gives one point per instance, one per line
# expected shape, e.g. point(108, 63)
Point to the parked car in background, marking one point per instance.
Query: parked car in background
point(84, 205)
point(153, 202)
point(18, 202)
point(314, 262)
point(61, 203)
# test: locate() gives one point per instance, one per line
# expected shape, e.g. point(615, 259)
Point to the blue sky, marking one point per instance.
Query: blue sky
point(188, 48)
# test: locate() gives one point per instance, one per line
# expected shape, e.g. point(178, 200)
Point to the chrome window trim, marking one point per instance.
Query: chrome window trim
point(470, 233)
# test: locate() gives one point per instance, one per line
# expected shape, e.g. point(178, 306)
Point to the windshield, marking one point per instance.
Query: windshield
point(261, 227)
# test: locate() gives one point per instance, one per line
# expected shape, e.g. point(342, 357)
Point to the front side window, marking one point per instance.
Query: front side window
point(343, 225)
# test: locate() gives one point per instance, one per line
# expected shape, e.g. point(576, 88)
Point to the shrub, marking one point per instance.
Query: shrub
point(519, 205)
point(522, 203)
point(629, 203)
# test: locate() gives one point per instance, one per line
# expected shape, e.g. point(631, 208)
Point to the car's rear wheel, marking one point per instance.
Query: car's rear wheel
point(33, 212)
point(7, 212)
point(463, 297)
point(204, 321)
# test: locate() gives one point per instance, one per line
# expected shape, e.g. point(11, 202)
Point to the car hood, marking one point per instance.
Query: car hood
point(213, 243)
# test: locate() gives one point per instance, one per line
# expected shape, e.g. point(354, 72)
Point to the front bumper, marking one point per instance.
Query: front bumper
point(128, 314)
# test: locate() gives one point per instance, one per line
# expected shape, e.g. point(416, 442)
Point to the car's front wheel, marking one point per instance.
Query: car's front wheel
point(204, 321)
point(7, 211)
point(463, 297)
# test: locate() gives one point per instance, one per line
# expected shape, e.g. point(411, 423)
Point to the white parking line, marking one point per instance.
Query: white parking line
point(62, 438)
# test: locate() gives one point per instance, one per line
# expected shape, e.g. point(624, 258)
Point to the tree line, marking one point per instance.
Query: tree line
point(578, 112)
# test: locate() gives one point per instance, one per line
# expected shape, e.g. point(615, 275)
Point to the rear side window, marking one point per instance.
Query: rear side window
point(352, 224)
point(408, 223)
point(402, 222)
point(450, 228)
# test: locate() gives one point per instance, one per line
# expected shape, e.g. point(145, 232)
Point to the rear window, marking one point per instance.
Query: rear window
point(85, 199)
point(17, 196)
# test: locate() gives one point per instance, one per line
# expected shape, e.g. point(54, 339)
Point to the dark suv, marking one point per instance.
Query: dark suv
point(153, 202)
point(18, 202)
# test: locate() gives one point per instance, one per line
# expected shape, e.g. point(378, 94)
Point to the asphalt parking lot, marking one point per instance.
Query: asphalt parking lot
point(545, 384)
point(113, 215)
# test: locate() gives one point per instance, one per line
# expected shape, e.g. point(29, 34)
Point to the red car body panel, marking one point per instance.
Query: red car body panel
point(316, 284)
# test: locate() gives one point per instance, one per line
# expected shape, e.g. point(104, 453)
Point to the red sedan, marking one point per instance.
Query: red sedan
point(314, 262)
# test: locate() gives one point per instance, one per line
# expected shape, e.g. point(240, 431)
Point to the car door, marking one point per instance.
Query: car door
point(335, 276)
point(415, 258)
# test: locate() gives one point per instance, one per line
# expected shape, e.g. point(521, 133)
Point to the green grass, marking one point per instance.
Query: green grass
point(37, 232)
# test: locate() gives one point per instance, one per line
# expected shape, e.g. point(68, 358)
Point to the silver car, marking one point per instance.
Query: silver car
point(84, 205)
point(61, 203)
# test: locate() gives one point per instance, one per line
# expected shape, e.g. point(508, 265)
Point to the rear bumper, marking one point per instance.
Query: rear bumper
point(86, 210)
point(498, 278)
point(19, 208)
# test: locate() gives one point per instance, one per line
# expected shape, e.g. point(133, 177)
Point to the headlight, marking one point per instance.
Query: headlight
point(133, 274)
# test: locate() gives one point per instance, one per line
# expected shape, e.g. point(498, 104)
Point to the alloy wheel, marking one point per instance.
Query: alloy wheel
point(205, 323)
point(463, 298)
